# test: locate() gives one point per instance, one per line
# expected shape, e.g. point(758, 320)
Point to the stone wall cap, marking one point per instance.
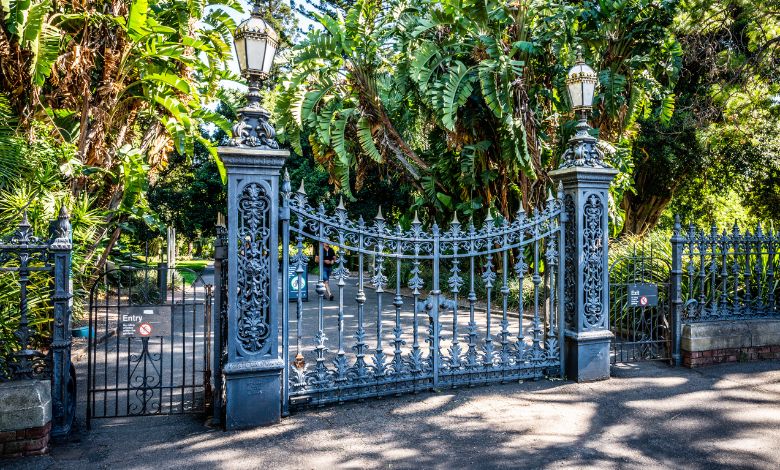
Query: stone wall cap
point(24, 404)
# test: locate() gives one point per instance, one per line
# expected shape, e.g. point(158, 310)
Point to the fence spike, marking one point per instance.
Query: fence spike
point(379, 214)
point(302, 189)
point(455, 219)
point(341, 203)
point(416, 220)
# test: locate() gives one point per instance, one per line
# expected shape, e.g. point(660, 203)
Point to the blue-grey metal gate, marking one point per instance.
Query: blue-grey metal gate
point(641, 332)
point(150, 342)
point(341, 350)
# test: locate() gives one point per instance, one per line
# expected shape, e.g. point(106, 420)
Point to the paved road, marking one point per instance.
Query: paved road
point(647, 416)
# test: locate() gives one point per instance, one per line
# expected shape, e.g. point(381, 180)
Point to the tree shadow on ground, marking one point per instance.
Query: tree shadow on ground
point(646, 416)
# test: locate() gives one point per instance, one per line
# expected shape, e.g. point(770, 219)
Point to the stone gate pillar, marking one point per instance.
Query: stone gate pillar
point(254, 366)
point(586, 179)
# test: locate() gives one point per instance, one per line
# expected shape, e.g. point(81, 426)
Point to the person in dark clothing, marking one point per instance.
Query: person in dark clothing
point(328, 260)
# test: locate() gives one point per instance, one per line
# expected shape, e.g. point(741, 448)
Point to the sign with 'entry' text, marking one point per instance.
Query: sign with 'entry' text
point(145, 321)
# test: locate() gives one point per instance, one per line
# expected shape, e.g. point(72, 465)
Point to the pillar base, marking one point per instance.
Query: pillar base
point(587, 355)
point(253, 393)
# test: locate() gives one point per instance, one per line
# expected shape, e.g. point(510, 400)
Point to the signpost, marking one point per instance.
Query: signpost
point(144, 321)
point(292, 283)
point(642, 295)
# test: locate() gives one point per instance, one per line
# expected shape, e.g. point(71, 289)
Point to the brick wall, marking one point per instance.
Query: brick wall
point(33, 441)
point(717, 356)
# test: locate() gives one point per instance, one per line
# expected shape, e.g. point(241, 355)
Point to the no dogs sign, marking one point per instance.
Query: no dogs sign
point(145, 321)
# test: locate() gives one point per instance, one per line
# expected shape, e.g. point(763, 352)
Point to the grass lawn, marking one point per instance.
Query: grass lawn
point(196, 265)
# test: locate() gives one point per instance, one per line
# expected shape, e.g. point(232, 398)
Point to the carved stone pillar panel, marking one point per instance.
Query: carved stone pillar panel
point(586, 274)
point(254, 365)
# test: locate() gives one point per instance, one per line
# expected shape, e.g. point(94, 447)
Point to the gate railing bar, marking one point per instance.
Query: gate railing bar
point(564, 219)
point(676, 290)
point(434, 313)
point(284, 217)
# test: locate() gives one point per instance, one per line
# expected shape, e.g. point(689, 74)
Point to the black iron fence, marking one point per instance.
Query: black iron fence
point(35, 313)
point(723, 275)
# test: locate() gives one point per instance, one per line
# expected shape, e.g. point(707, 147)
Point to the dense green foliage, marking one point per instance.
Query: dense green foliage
point(465, 100)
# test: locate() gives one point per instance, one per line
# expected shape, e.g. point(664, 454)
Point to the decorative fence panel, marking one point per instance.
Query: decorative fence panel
point(417, 309)
point(35, 340)
point(725, 275)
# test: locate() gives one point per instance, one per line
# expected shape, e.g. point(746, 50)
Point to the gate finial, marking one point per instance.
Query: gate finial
point(286, 188)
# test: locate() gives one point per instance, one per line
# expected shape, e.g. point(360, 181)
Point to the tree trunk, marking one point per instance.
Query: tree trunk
point(642, 214)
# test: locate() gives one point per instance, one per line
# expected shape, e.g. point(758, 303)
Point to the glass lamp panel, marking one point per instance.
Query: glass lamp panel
point(241, 53)
point(575, 93)
point(268, 62)
point(256, 52)
point(588, 89)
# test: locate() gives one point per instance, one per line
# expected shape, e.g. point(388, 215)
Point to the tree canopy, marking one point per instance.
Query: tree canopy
point(466, 100)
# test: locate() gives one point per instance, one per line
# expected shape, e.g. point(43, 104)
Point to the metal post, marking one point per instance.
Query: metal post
point(676, 294)
point(561, 322)
point(434, 313)
point(63, 380)
point(284, 218)
point(586, 178)
point(253, 372)
point(218, 321)
point(162, 281)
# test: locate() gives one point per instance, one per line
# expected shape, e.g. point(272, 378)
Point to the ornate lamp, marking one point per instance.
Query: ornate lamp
point(256, 44)
point(581, 82)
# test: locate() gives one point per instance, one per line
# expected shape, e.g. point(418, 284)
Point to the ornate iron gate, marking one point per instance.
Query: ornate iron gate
point(642, 332)
point(150, 338)
point(410, 331)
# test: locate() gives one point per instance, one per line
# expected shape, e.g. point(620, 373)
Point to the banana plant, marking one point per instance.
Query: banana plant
point(336, 96)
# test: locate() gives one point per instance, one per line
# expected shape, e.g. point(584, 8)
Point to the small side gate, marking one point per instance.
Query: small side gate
point(639, 310)
point(149, 343)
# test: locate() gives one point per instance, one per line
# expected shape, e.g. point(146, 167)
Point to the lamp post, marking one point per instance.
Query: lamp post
point(253, 160)
point(256, 43)
point(582, 150)
point(585, 178)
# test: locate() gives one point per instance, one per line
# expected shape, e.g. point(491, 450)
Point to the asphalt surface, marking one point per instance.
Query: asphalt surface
point(647, 416)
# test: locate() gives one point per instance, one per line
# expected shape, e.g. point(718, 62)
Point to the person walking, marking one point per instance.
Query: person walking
point(328, 260)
